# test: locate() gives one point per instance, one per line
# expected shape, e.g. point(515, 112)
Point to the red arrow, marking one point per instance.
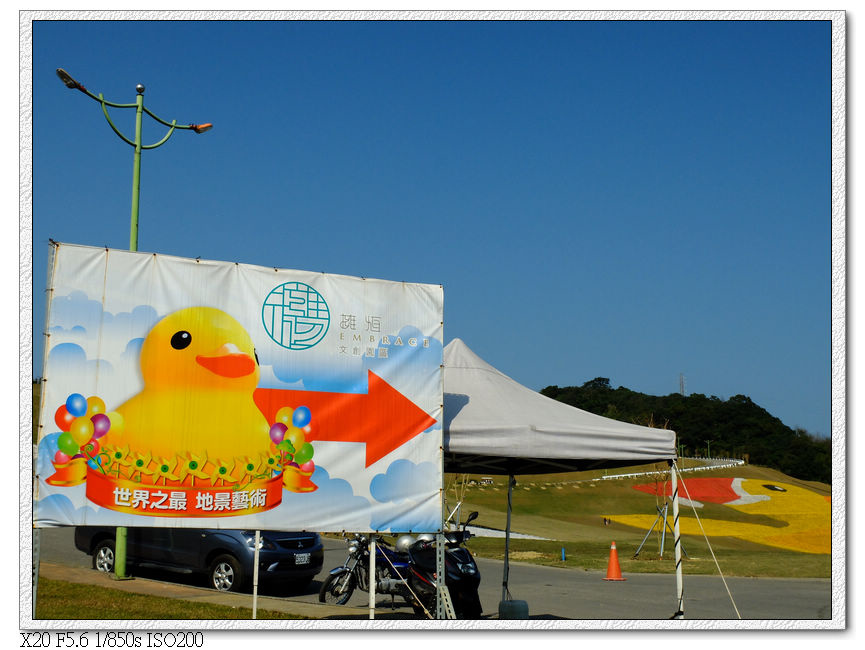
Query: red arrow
point(383, 418)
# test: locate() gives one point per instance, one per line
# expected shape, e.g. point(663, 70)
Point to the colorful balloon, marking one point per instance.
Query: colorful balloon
point(95, 405)
point(76, 404)
point(301, 417)
point(277, 432)
point(295, 437)
point(60, 458)
point(304, 454)
point(284, 415)
point(116, 421)
point(308, 467)
point(101, 424)
point(66, 443)
point(81, 430)
point(63, 418)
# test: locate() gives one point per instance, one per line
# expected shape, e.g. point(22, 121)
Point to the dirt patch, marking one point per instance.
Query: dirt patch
point(526, 555)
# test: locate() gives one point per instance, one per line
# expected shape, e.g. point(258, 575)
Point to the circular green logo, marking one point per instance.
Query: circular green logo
point(295, 316)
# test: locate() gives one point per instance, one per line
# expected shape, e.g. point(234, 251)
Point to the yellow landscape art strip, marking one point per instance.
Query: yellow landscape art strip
point(803, 517)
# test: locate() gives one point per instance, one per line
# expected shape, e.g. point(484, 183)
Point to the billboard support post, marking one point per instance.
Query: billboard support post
point(255, 556)
point(372, 577)
point(120, 554)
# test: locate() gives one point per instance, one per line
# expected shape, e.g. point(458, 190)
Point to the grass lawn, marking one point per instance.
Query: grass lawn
point(594, 556)
point(56, 599)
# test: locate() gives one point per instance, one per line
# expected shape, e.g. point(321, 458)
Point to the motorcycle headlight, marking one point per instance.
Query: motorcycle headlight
point(467, 568)
point(352, 548)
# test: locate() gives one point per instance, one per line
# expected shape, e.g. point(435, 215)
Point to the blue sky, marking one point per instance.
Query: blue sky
point(632, 200)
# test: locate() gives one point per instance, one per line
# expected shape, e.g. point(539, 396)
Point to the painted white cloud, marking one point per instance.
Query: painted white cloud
point(61, 507)
point(404, 481)
point(404, 487)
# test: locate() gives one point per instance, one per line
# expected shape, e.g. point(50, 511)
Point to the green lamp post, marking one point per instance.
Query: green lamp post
point(140, 109)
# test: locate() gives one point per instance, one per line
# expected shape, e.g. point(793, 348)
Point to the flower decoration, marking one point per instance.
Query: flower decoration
point(118, 458)
point(271, 463)
point(165, 470)
point(139, 466)
point(248, 470)
point(222, 471)
point(192, 465)
point(111, 464)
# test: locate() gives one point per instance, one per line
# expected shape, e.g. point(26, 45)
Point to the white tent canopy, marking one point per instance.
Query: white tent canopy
point(492, 424)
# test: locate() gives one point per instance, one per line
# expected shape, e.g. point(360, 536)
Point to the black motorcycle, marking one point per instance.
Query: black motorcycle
point(391, 571)
point(462, 576)
point(409, 571)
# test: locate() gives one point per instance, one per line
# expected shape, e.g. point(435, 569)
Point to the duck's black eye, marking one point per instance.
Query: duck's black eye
point(255, 354)
point(181, 340)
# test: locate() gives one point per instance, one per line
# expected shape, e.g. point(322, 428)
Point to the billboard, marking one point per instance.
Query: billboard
point(194, 393)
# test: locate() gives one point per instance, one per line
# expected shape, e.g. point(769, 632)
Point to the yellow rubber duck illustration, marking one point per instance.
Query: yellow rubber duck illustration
point(802, 517)
point(200, 370)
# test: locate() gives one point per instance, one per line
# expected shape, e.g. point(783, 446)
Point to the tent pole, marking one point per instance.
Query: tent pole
point(663, 531)
point(507, 538)
point(677, 544)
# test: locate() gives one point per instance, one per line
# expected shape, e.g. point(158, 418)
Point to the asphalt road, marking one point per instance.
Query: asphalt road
point(558, 593)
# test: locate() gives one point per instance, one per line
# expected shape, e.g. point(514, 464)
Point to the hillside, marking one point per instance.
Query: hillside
point(734, 428)
point(569, 510)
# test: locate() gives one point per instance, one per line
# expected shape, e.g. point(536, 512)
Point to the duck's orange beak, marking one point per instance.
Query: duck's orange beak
point(228, 361)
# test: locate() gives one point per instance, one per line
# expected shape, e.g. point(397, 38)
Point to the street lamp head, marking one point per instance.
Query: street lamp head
point(140, 89)
point(66, 79)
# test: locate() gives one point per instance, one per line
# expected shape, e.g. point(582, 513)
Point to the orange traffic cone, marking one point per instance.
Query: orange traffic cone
point(613, 570)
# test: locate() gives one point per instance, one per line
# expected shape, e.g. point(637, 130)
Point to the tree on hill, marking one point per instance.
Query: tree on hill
point(731, 428)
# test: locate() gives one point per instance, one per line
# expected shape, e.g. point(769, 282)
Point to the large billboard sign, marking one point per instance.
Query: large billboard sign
point(186, 392)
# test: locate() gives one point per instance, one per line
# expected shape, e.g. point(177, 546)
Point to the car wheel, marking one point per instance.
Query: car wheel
point(226, 574)
point(337, 588)
point(103, 556)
